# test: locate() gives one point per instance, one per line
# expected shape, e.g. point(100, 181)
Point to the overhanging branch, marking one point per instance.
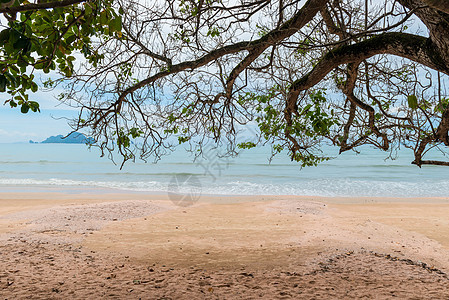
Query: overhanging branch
point(304, 15)
point(413, 47)
point(431, 162)
point(299, 20)
point(441, 5)
point(39, 6)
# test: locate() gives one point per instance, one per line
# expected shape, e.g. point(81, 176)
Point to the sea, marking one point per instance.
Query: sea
point(74, 168)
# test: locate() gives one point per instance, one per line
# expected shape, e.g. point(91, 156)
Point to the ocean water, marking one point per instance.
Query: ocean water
point(69, 167)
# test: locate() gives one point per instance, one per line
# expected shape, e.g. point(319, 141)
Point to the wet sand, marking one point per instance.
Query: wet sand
point(131, 246)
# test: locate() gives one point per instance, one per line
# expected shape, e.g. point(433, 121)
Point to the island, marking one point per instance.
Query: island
point(72, 138)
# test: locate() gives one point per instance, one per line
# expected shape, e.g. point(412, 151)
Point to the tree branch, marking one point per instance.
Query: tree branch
point(348, 90)
point(441, 5)
point(431, 162)
point(256, 47)
point(39, 6)
point(299, 20)
point(413, 47)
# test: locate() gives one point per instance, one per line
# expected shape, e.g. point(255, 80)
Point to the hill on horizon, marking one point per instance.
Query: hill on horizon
point(72, 138)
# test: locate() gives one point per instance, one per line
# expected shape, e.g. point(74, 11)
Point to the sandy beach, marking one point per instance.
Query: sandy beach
point(137, 246)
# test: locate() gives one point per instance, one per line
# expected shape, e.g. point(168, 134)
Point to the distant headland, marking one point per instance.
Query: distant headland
point(73, 138)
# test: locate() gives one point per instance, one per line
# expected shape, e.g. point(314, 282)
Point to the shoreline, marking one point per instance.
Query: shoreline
point(321, 240)
point(97, 194)
point(99, 190)
point(94, 192)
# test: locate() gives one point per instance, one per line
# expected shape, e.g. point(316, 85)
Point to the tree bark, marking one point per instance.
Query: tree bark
point(441, 5)
point(413, 47)
point(39, 6)
point(434, 14)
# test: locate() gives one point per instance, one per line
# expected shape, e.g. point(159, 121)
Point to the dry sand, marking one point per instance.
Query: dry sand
point(131, 246)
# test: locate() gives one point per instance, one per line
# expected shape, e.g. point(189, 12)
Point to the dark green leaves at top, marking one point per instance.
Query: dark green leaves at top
point(22, 43)
point(3, 82)
point(27, 105)
point(25, 108)
point(34, 106)
point(412, 102)
point(45, 40)
point(4, 35)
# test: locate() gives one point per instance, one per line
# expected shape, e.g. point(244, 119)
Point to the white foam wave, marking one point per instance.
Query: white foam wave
point(132, 186)
point(317, 187)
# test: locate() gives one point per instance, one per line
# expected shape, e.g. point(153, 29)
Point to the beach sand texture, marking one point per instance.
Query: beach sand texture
point(131, 246)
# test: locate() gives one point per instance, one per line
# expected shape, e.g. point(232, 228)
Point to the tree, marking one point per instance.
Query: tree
point(346, 72)
point(44, 36)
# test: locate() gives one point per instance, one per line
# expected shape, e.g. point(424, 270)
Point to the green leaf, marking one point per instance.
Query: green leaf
point(25, 108)
point(21, 43)
point(246, 145)
point(21, 62)
point(115, 25)
point(183, 139)
point(70, 39)
point(103, 18)
point(88, 9)
point(412, 102)
point(12, 80)
point(4, 35)
point(34, 106)
point(34, 87)
point(3, 82)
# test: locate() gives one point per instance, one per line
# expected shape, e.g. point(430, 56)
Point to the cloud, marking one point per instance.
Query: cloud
point(16, 133)
point(18, 127)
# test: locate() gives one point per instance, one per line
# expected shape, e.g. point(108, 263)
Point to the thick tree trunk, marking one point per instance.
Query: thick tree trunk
point(437, 22)
point(442, 5)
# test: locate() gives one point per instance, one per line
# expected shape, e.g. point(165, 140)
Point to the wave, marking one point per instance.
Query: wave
point(136, 186)
point(314, 187)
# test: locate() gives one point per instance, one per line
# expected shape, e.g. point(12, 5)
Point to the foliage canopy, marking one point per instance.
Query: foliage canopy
point(166, 72)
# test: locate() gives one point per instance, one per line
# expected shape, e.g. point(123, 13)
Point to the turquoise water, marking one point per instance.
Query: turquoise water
point(65, 167)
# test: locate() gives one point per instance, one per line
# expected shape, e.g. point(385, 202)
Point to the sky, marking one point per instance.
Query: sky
point(16, 127)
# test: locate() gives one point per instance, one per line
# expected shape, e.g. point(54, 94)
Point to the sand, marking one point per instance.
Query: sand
point(131, 246)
